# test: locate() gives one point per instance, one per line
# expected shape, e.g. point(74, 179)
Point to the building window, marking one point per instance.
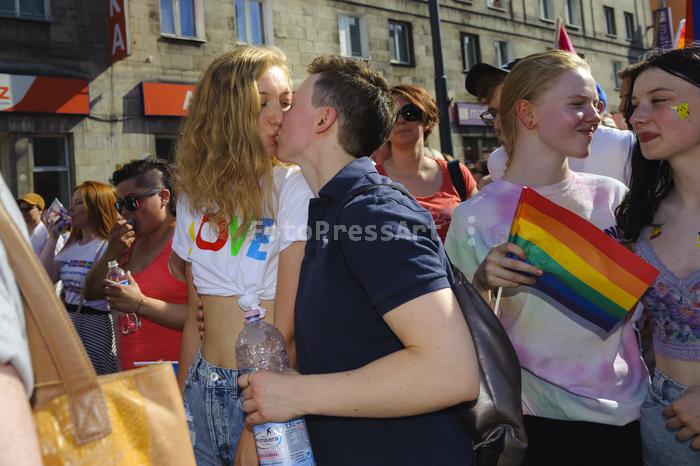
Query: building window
point(617, 66)
point(165, 147)
point(182, 18)
point(253, 22)
point(39, 164)
point(499, 4)
point(401, 42)
point(353, 36)
point(571, 11)
point(25, 9)
point(629, 26)
point(502, 52)
point(471, 55)
point(610, 20)
point(547, 9)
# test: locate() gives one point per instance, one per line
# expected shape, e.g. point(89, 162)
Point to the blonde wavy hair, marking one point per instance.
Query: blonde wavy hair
point(530, 78)
point(221, 162)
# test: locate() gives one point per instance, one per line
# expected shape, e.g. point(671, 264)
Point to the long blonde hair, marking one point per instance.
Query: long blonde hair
point(98, 199)
point(531, 77)
point(222, 163)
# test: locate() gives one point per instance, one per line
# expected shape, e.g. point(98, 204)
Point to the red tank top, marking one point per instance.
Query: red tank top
point(154, 342)
point(441, 203)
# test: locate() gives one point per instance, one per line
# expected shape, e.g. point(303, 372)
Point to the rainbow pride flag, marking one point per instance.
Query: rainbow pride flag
point(584, 269)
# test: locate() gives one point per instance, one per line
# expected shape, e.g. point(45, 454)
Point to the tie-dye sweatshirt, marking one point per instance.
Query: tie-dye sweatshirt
point(568, 371)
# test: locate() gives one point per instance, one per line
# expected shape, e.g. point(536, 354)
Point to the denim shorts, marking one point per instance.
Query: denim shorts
point(659, 445)
point(214, 412)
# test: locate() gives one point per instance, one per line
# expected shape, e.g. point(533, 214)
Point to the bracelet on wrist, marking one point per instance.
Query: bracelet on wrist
point(138, 307)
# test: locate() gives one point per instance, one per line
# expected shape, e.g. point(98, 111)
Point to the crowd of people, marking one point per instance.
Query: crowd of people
point(274, 206)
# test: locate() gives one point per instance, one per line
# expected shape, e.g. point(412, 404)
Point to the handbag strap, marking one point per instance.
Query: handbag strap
point(45, 315)
point(455, 170)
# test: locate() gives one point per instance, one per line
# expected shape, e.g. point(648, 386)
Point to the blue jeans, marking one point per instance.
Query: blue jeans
point(214, 412)
point(659, 445)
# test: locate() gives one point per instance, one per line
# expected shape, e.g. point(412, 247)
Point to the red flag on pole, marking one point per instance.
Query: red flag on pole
point(562, 40)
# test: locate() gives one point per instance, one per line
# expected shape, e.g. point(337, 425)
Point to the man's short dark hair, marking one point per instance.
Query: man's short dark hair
point(150, 172)
point(362, 99)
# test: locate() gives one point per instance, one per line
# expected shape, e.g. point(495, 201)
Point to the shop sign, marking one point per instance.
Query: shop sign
point(118, 27)
point(468, 114)
point(163, 99)
point(44, 94)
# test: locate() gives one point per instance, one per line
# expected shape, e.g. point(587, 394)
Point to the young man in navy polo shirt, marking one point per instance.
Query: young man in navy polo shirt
point(386, 355)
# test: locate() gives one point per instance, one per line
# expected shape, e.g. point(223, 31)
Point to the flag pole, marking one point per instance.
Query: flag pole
point(557, 33)
point(498, 301)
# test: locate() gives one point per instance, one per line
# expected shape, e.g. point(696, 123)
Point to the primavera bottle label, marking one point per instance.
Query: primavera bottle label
point(284, 444)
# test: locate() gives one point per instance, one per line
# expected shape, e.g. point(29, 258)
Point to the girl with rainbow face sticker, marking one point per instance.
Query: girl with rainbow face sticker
point(665, 176)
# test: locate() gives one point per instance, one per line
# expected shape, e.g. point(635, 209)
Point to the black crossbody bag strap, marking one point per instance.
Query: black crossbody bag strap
point(457, 178)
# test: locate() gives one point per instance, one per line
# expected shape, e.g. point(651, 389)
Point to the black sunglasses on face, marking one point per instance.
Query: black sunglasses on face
point(411, 112)
point(131, 202)
point(488, 116)
point(26, 208)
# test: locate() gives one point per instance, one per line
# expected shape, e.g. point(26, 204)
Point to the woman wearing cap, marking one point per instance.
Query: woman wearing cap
point(32, 207)
point(427, 178)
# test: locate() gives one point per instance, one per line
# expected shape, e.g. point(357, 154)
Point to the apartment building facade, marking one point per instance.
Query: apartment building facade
point(87, 85)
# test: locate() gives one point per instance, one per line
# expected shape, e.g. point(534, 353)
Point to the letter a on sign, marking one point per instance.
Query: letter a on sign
point(120, 45)
point(188, 99)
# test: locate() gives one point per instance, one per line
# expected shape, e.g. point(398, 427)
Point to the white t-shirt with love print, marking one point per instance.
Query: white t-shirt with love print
point(226, 263)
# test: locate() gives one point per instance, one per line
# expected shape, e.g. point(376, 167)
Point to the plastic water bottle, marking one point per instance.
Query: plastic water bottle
point(132, 321)
point(260, 346)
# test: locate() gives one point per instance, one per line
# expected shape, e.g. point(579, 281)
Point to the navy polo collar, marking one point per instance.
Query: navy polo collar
point(345, 180)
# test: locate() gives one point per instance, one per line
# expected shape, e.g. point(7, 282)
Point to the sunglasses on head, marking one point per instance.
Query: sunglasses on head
point(411, 112)
point(132, 202)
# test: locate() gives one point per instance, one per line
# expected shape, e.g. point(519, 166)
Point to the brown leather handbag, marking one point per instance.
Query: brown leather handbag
point(128, 418)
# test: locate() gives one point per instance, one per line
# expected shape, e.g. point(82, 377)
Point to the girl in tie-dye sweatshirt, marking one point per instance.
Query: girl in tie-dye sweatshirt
point(582, 391)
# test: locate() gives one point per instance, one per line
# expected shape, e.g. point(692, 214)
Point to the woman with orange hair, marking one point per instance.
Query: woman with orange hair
point(427, 178)
point(93, 216)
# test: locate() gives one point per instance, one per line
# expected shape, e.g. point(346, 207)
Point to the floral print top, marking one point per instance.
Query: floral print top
point(673, 306)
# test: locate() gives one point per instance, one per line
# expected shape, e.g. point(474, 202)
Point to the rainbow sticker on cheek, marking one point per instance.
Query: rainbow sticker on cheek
point(682, 110)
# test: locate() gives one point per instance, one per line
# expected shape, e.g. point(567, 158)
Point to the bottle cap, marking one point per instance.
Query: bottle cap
point(112, 264)
point(250, 303)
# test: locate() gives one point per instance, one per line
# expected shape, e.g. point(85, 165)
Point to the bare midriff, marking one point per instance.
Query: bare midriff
point(223, 321)
point(683, 372)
